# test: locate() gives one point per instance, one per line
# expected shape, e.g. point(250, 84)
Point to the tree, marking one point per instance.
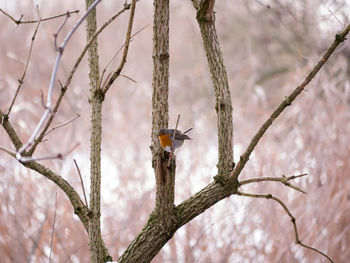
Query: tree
point(166, 218)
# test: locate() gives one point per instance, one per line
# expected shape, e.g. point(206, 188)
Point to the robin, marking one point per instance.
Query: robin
point(167, 142)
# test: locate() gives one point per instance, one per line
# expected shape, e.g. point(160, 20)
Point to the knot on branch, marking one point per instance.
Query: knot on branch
point(78, 210)
point(340, 37)
point(205, 12)
point(5, 117)
point(164, 55)
point(98, 95)
point(92, 214)
point(127, 6)
point(220, 179)
point(288, 101)
point(230, 184)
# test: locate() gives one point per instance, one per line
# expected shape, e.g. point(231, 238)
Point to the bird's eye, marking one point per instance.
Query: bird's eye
point(161, 133)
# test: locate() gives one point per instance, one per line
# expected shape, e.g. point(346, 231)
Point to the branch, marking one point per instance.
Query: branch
point(48, 110)
point(11, 153)
point(4, 120)
point(126, 49)
point(82, 183)
point(173, 144)
point(223, 103)
point(110, 61)
point(19, 21)
point(79, 208)
point(297, 240)
point(21, 80)
point(53, 228)
point(69, 79)
point(285, 180)
point(339, 38)
point(77, 115)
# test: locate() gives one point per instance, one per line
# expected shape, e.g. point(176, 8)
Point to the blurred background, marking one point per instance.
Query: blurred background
point(267, 52)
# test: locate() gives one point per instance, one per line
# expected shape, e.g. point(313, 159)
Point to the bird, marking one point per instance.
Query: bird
point(167, 143)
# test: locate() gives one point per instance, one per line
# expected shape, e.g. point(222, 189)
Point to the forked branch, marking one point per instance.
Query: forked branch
point(64, 87)
point(285, 208)
point(285, 180)
point(21, 80)
point(339, 38)
point(20, 21)
point(117, 72)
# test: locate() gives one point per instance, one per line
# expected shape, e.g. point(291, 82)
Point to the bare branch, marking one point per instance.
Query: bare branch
point(82, 183)
point(339, 38)
point(53, 228)
point(173, 143)
point(13, 154)
point(4, 120)
point(110, 61)
point(71, 74)
point(77, 115)
point(19, 21)
point(126, 49)
point(21, 80)
point(297, 240)
point(79, 208)
point(285, 180)
point(60, 156)
point(48, 110)
point(125, 76)
point(55, 35)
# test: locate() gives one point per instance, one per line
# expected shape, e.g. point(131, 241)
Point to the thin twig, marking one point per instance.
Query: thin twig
point(111, 60)
point(79, 207)
point(60, 156)
point(82, 182)
point(51, 86)
point(19, 21)
point(9, 152)
point(55, 35)
point(285, 180)
point(339, 38)
point(173, 142)
point(77, 115)
point(126, 48)
point(21, 80)
point(297, 240)
point(68, 80)
point(174, 133)
point(53, 228)
point(125, 76)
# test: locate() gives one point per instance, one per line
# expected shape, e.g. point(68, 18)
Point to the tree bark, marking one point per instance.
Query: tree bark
point(166, 219)
point(165, 176)
point(206, 21)
point(98, 251)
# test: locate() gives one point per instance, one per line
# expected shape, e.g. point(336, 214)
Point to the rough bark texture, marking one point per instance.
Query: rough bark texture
point(165, 176)
point(160, 56)
point(98, 250)
point(162, 223)
point(206, 21)
point(166, 219)
point(156, 234)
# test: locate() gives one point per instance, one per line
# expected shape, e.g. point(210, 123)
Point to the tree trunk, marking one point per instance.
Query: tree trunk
point(166, 219)
point(98, 251)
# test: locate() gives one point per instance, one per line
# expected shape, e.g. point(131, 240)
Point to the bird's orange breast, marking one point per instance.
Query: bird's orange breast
point(165, 140)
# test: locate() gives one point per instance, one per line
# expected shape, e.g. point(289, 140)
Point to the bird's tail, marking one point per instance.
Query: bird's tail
point(188, 130)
